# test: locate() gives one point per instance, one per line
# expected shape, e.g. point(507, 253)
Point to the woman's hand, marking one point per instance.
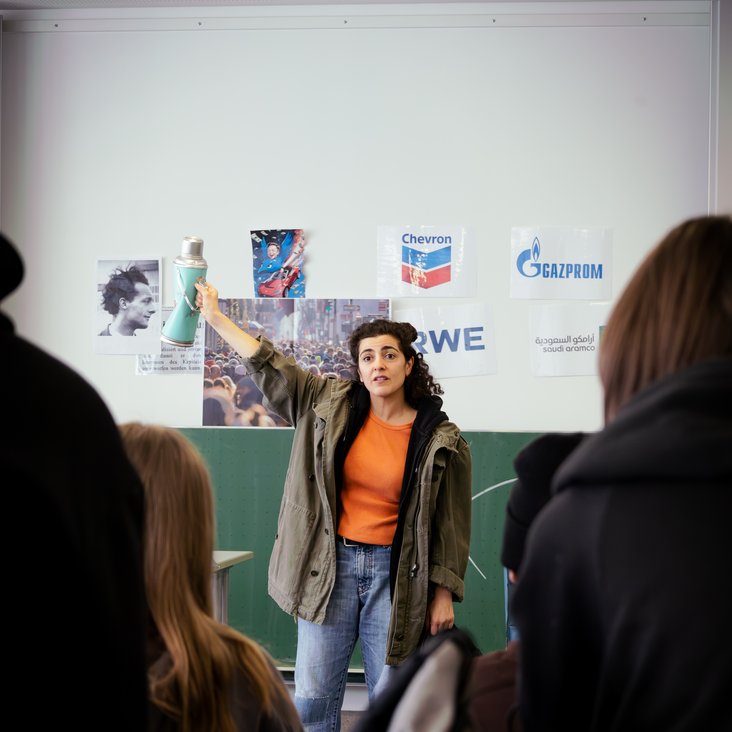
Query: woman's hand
point(440, 612)
point(207, 300)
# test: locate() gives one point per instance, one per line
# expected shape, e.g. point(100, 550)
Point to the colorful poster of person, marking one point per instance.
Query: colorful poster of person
point(314, 332)
point(278, 257)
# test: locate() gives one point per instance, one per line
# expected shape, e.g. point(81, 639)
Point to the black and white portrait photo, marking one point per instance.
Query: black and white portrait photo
point(127, 316)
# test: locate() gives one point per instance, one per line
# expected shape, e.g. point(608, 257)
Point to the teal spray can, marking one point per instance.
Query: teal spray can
point(190, 267)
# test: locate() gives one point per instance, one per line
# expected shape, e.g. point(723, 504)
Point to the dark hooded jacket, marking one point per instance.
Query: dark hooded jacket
point(624, 601)
point(74, 568)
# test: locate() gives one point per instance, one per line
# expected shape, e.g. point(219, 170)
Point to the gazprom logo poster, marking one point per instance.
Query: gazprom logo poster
point(561, 263)
point(424, 261)
point(458, 340)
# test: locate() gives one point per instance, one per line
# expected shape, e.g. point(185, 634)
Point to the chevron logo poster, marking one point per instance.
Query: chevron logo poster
point(425, 261)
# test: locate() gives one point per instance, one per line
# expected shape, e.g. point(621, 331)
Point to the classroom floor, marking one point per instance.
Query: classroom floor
point(349, 719)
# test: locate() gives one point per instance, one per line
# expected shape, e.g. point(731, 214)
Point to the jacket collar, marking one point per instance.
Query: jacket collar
point(677, 429)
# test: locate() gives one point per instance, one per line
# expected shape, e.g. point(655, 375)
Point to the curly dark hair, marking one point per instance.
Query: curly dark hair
point(420, 383)
point(121, 285)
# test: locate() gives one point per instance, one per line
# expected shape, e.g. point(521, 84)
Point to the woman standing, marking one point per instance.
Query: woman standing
point(374, 527)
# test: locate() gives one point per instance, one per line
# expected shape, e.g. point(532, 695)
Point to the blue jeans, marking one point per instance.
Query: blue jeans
point(359, 607)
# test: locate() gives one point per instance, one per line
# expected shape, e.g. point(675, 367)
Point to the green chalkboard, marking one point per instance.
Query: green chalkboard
point(248, 468)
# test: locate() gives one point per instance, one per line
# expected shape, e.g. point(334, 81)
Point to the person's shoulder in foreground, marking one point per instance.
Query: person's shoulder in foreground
point(79, 576)
point(636, 542)
point(199, 668)
point(247, 712)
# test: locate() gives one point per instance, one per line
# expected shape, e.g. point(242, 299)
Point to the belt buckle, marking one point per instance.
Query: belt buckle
point(346, 542)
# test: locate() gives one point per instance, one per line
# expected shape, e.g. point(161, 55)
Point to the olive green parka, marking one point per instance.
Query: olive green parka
point(433, 530)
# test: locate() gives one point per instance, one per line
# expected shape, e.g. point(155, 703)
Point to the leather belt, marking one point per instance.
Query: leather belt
point(350, 542)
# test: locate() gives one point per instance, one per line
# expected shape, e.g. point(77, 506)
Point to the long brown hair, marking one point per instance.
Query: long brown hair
point(179, 538)
point(675, 311)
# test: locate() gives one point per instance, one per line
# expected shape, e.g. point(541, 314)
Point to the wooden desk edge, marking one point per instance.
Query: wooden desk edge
point(223, 559)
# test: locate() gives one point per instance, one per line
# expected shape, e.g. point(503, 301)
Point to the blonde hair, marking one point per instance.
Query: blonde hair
point(675, 311)
point(195, 689)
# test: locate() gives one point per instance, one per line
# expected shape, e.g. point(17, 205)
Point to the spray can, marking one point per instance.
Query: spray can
point(190, 267)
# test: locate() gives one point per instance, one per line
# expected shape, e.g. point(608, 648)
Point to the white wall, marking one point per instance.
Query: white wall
point(123, 132)
point(723, 25)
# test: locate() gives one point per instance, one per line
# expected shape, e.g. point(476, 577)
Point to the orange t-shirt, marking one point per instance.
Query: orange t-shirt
point(372, 481)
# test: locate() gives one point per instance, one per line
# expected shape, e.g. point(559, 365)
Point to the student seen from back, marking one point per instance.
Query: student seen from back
point(492, 693)
point(624, 600)
point(75, 603)
point(203, 676)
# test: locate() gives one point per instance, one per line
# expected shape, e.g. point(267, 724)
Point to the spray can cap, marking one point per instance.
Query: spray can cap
point(192, 247)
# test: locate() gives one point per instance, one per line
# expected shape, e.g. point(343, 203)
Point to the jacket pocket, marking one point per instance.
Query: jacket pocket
point(292, 546)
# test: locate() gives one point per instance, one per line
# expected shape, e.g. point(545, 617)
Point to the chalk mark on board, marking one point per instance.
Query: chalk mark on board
point(478, 495)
